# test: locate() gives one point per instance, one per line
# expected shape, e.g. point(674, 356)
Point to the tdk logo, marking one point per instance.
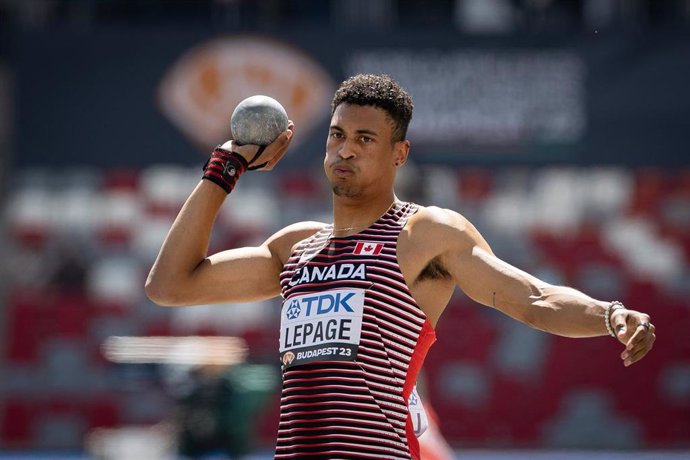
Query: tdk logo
point(293, 310)
point(322, 304)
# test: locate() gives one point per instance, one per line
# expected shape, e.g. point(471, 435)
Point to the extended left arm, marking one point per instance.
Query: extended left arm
point(556, 309)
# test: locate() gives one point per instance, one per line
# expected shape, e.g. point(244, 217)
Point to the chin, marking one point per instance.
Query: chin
point(345, 191)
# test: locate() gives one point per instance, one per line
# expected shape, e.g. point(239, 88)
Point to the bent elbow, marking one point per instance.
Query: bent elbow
point(159, 294)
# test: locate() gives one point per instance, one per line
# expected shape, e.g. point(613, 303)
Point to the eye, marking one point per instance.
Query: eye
point(336, 135)
point(366, 139)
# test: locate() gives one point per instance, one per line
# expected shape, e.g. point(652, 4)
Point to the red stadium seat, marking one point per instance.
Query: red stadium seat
point(16, 421)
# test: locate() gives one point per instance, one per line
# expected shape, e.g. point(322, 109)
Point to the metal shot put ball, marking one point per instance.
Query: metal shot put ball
point(258, 120)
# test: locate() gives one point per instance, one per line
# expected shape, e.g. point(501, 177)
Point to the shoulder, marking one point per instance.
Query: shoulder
point(437, 221)
point(282, 242)
point(303, 229)
point(441, 228)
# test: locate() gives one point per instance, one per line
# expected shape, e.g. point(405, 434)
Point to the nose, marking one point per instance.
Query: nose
point(346, 151)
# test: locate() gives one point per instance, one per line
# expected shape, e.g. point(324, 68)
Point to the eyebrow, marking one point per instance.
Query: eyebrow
point(359, 131)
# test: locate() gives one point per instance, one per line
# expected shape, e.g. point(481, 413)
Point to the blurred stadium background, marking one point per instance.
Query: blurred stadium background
point(561, 128)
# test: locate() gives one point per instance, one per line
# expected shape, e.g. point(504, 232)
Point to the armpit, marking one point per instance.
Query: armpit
point(434, 271)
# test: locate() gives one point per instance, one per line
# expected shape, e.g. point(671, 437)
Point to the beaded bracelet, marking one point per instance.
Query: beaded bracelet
point(615, 305)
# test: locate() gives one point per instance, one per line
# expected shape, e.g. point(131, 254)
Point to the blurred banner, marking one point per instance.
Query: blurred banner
point(487, 99)
point(200, 90)
point(133, 98)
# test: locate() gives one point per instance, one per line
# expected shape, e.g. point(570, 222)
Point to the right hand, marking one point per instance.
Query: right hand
point(271, 155)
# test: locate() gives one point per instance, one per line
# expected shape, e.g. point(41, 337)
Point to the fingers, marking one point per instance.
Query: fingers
point(625, 322)
point(271, 154)
point(641, 341)
point(274, 160)
point(619, 322)
point(277, 149)
point(638, 351)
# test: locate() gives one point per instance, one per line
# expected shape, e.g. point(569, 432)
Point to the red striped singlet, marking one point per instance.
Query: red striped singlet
point(352, 342)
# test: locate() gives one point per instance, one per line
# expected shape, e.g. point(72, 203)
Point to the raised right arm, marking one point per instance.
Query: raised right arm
point(184, 273)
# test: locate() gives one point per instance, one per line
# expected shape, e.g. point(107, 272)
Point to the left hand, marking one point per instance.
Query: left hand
point(634, 330)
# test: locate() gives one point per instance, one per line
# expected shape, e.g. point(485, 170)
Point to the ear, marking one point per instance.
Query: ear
point(400, 152)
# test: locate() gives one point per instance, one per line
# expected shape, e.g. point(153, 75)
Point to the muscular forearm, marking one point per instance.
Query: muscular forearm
point(186, 244)
point(556, 309)
point(567, 312)
point(570, 313)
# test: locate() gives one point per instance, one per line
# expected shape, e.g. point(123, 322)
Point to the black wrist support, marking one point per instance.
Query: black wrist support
point(224, 168)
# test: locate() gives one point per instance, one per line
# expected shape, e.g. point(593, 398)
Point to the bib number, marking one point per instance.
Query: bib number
point(324, 326)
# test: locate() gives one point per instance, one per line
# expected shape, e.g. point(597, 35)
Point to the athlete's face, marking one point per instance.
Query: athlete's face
point(360, 158)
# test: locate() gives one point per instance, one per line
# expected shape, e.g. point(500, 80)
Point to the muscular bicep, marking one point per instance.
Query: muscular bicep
point(495, 283)
point(251, 273)
point(489, 280)
point(237, 275)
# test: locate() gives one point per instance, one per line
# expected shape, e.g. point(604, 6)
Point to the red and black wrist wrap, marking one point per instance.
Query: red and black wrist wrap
point(224, 168)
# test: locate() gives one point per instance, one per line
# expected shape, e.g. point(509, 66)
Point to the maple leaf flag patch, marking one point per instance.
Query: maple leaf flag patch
point(367, 248)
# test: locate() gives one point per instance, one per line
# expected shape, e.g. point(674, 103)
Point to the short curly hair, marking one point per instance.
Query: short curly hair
point(379, 91)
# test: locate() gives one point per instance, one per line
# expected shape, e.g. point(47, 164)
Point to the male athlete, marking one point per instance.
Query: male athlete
point(362, 295)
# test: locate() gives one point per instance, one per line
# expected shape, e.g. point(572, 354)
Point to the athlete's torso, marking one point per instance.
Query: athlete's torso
point(352, 342)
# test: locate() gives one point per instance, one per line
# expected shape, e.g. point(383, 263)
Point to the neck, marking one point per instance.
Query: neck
point(351, 215)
